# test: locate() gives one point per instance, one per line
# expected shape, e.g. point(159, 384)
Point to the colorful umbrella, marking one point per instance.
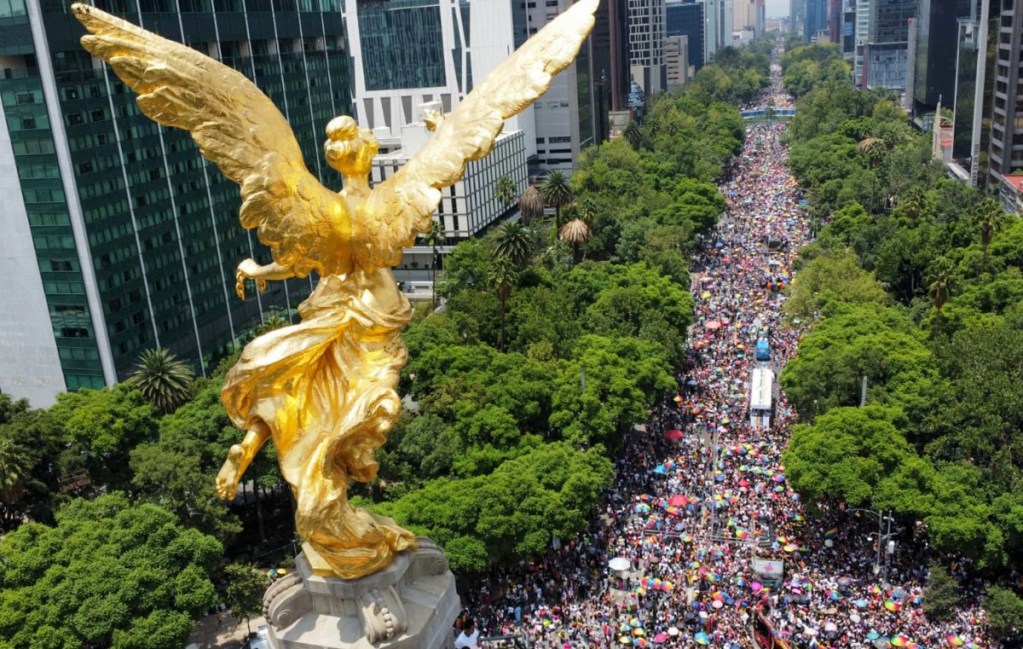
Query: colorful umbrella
point(701, 638)
point(893, 606)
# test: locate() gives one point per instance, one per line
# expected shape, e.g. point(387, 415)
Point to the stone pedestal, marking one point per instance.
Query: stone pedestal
point(410, 605)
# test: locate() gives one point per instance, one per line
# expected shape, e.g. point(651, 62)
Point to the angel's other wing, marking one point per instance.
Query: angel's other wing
point(403, 205)
point(239, 129)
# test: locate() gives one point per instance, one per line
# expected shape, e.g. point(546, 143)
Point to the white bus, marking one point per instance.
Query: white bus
point(760, 400)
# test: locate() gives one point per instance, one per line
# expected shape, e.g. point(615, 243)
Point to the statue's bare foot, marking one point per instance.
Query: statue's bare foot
point(227, 479)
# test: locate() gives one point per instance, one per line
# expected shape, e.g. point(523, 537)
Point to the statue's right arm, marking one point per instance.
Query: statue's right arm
point(249, 269)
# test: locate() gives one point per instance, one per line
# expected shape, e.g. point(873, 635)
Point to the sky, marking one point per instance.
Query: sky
point(777, 8)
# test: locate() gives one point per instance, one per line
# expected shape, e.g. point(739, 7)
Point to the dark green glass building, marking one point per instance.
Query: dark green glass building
point(120, 237)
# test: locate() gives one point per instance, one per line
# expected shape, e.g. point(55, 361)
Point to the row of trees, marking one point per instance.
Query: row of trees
point(556, 337)
point(916, 283)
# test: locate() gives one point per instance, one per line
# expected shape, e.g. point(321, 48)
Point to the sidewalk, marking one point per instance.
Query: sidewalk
point(223, 631)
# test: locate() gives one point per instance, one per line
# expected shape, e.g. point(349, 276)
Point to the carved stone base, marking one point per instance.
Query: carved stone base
point(410, 605)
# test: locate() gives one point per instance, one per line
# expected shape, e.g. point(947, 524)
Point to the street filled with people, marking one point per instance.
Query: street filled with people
point(708, 544)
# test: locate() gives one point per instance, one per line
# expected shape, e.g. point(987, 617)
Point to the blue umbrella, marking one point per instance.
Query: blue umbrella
point(660, 469)
point(860, 603)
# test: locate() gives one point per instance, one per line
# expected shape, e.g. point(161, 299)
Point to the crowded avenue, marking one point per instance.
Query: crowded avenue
point(700, 541)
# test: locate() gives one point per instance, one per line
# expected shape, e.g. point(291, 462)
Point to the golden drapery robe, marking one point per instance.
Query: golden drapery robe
point(326, 390)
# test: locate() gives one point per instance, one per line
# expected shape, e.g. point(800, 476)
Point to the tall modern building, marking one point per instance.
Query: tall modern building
point(676, 57)
point(861, 33)
point(745, 14)
point(1006, 152)
point(886, 50)
point(815, 19)
point(796, 13)
point(717, 30)
point(937, 25)
point(119, 236)
point(647, 20)
point(844, 27)
point(685, 18)
point(566, 116)
point(407, 53)
point(612, 77)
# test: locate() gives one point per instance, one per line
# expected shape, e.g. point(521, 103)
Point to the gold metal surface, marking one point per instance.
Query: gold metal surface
point(324, 390)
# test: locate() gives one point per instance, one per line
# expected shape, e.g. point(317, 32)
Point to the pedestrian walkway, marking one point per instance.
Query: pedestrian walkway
point(222, 631)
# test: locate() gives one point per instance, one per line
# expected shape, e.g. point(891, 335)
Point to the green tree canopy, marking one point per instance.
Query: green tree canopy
point(846, 453)
point(514, 512)
point(108, 574)
point(864, 340)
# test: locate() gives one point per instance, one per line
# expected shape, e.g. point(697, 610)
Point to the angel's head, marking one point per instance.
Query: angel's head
point(349, 149)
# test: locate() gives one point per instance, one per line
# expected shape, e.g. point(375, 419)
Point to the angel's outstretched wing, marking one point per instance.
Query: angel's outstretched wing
point(237, 127)
point(403, 205)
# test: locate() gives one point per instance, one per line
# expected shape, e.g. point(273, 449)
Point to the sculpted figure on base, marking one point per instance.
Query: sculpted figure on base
point(324, 390)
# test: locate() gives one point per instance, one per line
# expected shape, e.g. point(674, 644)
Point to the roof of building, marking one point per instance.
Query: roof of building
point(1016, 180)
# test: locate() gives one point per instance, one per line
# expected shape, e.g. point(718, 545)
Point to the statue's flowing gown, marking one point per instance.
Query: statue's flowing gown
point(326, 389)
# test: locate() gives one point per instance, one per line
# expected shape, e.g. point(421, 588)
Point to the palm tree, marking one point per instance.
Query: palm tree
point(556, 192)
point(989, 218)
point(16, 464)
point(434, 238)
point(531, 204)
point(273, 320)
point(873, 149)
point(633, 135)
point(577, 233)
point(163, 379)
point(505, 190)
point(502, 278)
point(512, 241)
point(942, 276)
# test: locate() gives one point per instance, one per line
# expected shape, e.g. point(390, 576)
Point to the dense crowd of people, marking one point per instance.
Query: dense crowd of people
point(700, 509)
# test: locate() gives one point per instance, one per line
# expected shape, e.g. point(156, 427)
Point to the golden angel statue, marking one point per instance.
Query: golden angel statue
point(324, 390)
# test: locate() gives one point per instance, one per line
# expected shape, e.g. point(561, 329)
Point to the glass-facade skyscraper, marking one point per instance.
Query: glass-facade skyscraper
point(686, 19)
point(886, 51)
point(120, 237)
point(937, 28)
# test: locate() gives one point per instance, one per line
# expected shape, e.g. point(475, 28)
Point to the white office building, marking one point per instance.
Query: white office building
point(717, 33)
point(647, 21)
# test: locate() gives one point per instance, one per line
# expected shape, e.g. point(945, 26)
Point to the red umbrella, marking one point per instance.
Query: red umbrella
point(673, 434)
point(712, 325)
point(677, 501)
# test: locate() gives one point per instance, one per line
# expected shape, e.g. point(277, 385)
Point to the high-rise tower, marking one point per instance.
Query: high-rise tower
point(647, 19)
point(1006, 149)
point(119, 236)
